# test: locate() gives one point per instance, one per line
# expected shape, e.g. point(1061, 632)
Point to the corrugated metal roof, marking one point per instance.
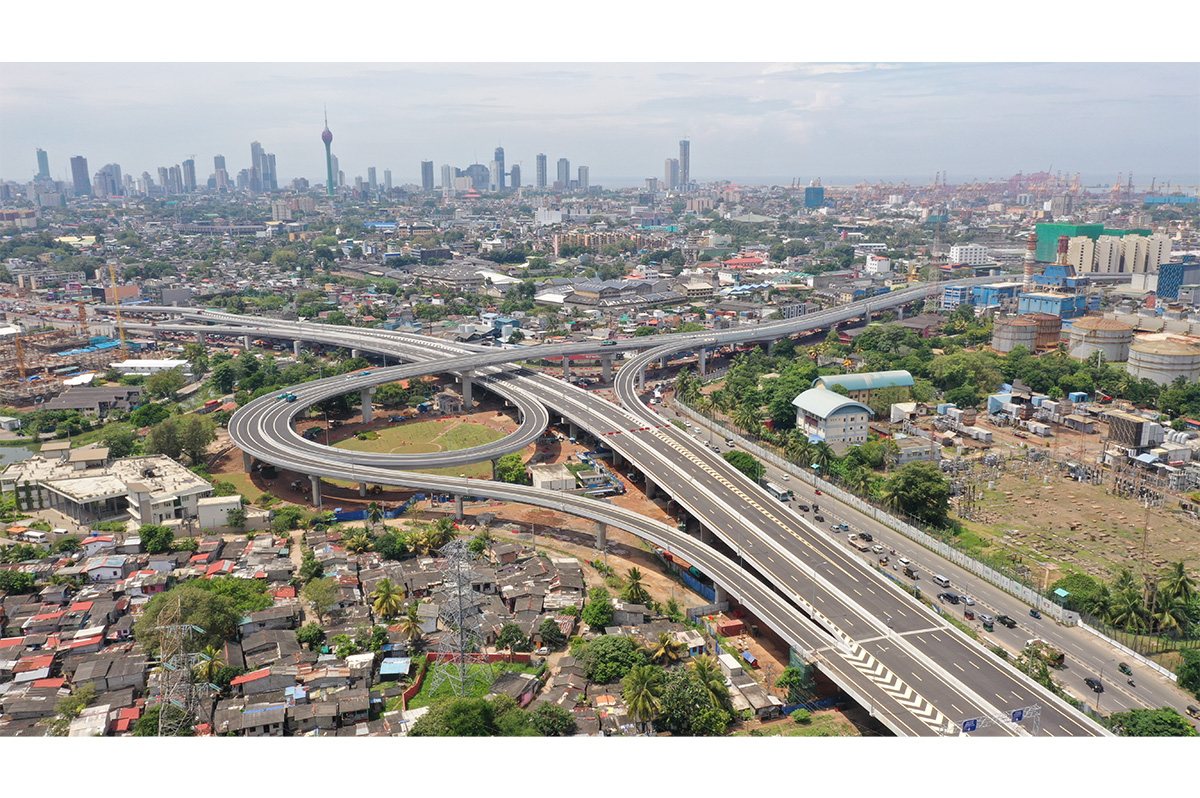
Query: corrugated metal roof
point(824, 403)
point(867, 381)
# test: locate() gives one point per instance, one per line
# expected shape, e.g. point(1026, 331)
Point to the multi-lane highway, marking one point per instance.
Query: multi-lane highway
point(882, 646)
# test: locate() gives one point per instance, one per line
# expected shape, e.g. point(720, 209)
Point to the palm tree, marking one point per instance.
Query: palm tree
point(634, 591)
point(708, 673)
point(891, 452)
point(1127, 610)
point(642, 691)
point(374, 513)
point(704, 404)
point(1176, 584)
point(1170, 614)
point(388, 599)
point(210, 665)
point(798, 447)
point(358, 542)
point(822, 456)
point(746, 416)
point(410, 624)
point(859, 481)
point(665, 650)
point(1102, 603)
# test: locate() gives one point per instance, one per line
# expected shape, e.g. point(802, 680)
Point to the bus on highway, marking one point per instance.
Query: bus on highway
point(783, 494)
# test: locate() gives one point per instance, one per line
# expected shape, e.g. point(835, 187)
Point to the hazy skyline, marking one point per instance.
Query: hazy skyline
point(753, 120)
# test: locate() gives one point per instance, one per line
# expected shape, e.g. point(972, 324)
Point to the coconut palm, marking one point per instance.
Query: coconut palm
point(410, 624)
point(746, 416)
point(1102, 603)
point(634, 591)
point(1170, 614)
point(387, 598)
point(704, 404)
point(708, 673)
point(1127, 610)
point(665, 650)
point(374, 513)
point(1177, 584)
point(891, 452)
point(798, 447)
point(357, 543)
point(859, 481)
point(642, 691)
point(213, 659)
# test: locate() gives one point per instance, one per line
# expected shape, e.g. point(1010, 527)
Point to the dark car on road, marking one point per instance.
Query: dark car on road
point(867, 536)
point(1006, 621)
point(819, 518)
point(1094, 684)
point(950, 597)
point(804, 508)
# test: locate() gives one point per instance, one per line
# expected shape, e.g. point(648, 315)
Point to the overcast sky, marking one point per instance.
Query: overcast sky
point(768, 120)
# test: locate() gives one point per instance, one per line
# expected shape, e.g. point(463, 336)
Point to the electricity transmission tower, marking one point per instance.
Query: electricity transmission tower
point(460, 651)
point(178, 696)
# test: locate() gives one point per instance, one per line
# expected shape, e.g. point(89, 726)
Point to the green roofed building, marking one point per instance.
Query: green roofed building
point(1048, 234)
point(859, 386)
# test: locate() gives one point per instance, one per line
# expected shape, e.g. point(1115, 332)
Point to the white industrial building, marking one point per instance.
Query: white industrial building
point(831, 417)
point(144, 368)
point(969, 254)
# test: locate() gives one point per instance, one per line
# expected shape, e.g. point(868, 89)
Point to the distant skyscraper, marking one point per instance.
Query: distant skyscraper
point(327, 137)
point(175, 176)
point(371, 181)
point(43, 172)
point(480, 175)
point(564, 172)
point(685, 163)
point(258, 166)
point(541, 170)
point(387, 179)
point(189, 175)
point(270, 181)
point(338, 178)
point(107, 181)
point(447, 178)
point(219, 163)
point(494, 176)
point(652, 185)
point(79, 176)
point(498, 157)
point(671, 174)
point(583, 178)
point(515, 175)
point(427, 175)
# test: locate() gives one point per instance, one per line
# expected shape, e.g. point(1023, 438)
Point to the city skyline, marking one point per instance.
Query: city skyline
point(771, 122)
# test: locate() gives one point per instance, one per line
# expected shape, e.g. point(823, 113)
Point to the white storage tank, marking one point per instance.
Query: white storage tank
point(1109, 337)
point(1163, 361)
point(1011, 333)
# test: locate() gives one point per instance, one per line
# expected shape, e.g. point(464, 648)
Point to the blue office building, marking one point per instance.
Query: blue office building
point(814, 196)
point(983, 296)
point(1065, 306)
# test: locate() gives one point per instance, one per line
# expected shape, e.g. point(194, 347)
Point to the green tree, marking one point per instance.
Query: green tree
point(310, 635)
point(147, 724)
point(165, 383)
point(552, 636)
point(665, 650)
point(746, 463)
point(792, 680)
point(511, 469)
point(121, 440)
point(211, 662)
point(224, 377)
point(552, 720)
point(1165, 722)
point(642, 691)
point(746, 415)
point(512, 638)
point(608, 658)
point(148, 415)
point(16, 582)
point(200, 605)
point(235, 518)
point(391, 546)
point(683, 700)
point(156, 539)
point(410, 625)
point(708, 674)
point(634, 591)
point(388, 599)
point(456, 717)
point(920, 490)
point(177, 436)
point(710, 722)
point(321, 594)
point(598, 612)
point(69, 708)
point(1188, 671)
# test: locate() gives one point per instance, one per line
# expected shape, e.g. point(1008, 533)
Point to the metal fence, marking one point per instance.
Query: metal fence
point(698, 586)
point(361, 515)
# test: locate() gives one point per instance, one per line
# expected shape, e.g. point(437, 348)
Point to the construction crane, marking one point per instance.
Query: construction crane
point(1116, 189)
point(112, 275)
point(83, 325)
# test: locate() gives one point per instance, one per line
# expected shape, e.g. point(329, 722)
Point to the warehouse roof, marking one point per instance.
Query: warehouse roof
point(823, 403)
point(868, 381)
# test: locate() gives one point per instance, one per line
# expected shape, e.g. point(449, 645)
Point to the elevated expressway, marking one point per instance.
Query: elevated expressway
point(913, 670)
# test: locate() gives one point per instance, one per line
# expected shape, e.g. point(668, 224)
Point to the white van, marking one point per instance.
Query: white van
point(941, 580)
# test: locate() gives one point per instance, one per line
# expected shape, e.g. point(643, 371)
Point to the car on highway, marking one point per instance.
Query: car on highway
point(817, 492)
point(987, 620)
point(1033, 612)
point(970, 602)
point(786, 477)
point(867, 536)
point(877, 548)
point(819, 518)
point(608, 343)
point(1094, 684)
point(1006, 621)
point(804, 508)
point(835, 527)
point(950, 597)
point(904, 561)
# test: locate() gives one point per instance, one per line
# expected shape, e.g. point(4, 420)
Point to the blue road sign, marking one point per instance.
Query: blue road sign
point(1017, 715)
point(970, 725)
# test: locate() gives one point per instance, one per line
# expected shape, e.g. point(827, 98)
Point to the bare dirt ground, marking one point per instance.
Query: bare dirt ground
point(1082, 526)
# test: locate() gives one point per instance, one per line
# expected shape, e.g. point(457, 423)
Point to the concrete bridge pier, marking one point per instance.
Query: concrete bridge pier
point(722, 595)
point(617, 459)
point(247, 462)
point(642, 379)
point(495, 466)
point(567, 368)
point(573, 430)
point(601, 535)
point(362, 489)
point(606, 369)
point(651, 489)
point(246, 341)
point(367, 411)
point(702, 360)
point(458, 507)
point(316, 491)
point(468, 385)
point(296, 348)
point(355, 353)
point(200, 338)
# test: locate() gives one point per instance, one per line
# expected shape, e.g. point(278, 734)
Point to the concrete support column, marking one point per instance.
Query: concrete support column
point(573, 431)
point(702, 361)
point(664, 362)
point(246, 341)
point(355, 353)
point(296, 348)
point(200, 338)
point(617, 459)
point(706, 535)
point(721, 596)
point(367, 411)
point(362, 489)
point(651, 488)
point(495, 465)
point(247, 462)
point(601, 535)
point(458, 507)
point(642, 380)
point(566, 368)
point(468, 384)
point(316, 491)
point(606, 369)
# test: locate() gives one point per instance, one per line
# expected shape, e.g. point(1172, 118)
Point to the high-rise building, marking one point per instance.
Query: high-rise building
point(327, 137)
point(175, 176)
point(494, 172)
point(685, 163)
point(1107, 257)
point(1144, 254)
point(371, 181)
point(387, 179)
point(564, 172)
point(671, 174)
point(107, 181)
point(447, 178)
point(258, 165)
point(652, 185)
point(427, 176)
point(498, 173)
point(43, 172)
point(541, 170)
point(79, 176)
point(814, 196)
point(219, 163)
point(270, 181)
point(515, 177)
point(189, 175)
point(480, 175)
point(583, 178)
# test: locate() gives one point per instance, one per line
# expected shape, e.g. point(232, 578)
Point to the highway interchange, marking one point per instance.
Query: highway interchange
point(913, 670)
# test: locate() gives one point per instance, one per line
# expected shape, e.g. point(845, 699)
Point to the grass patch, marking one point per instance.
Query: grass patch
point(427, 695)
point(241, 482)
point(821, 724)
